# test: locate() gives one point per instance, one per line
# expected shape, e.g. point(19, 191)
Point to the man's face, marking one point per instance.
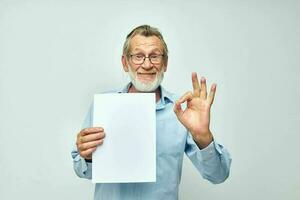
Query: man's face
point(145, 76)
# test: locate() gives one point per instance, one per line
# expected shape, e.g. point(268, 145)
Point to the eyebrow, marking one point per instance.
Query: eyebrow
point(153, 50)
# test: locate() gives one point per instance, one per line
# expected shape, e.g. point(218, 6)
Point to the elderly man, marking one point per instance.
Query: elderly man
point(179, 130)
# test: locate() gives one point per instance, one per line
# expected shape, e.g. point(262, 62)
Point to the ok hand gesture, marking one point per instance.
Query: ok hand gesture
point(196, 116)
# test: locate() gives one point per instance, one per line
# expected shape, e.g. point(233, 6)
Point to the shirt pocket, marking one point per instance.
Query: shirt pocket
point(170, 137)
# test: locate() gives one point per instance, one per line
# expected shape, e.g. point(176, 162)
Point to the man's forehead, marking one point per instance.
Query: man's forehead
point(140, 41)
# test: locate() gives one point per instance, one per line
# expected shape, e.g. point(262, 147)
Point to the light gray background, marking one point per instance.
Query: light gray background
point(54, 55)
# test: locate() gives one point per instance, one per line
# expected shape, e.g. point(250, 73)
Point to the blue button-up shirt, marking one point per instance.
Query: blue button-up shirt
point(172, 141)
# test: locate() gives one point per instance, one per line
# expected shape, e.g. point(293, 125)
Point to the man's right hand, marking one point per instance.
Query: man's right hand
point(87, 141)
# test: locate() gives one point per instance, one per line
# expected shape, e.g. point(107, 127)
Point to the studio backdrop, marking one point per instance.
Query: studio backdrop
point(55, 55)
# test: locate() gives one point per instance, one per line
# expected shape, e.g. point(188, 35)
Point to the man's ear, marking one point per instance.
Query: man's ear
point(165, 65)
point(124, 63)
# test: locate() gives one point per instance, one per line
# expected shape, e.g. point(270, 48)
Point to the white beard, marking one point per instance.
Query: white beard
point(146, 87)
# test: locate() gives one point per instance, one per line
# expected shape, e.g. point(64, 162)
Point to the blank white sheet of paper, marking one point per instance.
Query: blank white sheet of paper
point(128, 153)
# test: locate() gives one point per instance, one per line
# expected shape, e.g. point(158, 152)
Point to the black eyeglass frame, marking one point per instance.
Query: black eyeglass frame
point(149, 57)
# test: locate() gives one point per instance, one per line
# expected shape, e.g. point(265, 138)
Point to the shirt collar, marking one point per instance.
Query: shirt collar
point(166, 97)
point(125, 89)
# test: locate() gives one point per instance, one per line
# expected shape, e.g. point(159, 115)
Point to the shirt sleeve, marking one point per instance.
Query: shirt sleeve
point(213, 162)
point(82, 168)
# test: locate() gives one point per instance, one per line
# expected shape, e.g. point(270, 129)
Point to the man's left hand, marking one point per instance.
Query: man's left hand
point(196, 116)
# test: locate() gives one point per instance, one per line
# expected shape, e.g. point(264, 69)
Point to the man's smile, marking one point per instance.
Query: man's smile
point(146, 76)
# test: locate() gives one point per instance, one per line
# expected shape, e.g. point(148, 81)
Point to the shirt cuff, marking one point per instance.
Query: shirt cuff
point(212, 150)
point(83, 166)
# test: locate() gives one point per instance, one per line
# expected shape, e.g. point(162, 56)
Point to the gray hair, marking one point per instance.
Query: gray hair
point(147, 31)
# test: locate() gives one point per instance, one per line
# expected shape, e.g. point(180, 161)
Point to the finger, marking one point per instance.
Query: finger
point(186, 97)
point(196, 86)
point(177, 109)
point(86, 131)
point(90, 130)
point(203, 92)
point(92, 137)
point(87, 145)
point(212, 93)
point(87, 154)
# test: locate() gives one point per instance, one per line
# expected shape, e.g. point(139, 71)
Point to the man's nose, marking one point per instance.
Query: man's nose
point(147, 64)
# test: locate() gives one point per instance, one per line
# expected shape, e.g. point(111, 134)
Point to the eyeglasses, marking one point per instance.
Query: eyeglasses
point(139, 59)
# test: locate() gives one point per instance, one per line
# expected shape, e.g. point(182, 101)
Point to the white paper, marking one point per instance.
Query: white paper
point(128, 153)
